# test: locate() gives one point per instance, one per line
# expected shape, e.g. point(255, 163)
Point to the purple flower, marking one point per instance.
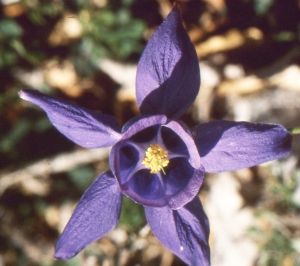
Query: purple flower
point(155, 159)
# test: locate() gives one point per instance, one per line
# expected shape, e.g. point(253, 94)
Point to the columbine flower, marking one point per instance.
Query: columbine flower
point(155, 159)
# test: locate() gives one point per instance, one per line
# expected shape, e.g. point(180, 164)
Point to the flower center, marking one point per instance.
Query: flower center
point(156, 158)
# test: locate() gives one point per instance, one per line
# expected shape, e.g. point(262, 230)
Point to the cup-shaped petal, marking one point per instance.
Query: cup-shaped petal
point(176, 182)
point(168, 75)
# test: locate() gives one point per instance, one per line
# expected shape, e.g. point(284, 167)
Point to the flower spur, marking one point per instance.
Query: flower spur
point(155, 159)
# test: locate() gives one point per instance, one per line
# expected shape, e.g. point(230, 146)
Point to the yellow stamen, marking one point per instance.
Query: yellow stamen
point(156, 158)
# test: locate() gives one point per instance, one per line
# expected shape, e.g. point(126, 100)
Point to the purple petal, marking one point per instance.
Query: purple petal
point(168, 75)
point(191, 171)
point(126, 161)
point(86, 128)
point(146, 188)
point(186, 136)
point(184, 232)
point(136, 125)
point(185, 179)
point(97, 212)
point(227, 145)
point(184, 174)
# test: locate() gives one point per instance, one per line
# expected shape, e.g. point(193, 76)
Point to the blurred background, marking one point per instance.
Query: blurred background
point(86, 52)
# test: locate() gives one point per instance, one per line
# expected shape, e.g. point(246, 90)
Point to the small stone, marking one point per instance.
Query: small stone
point(118, 236)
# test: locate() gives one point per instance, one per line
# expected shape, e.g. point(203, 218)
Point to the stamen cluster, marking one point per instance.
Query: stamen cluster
point(156, 158)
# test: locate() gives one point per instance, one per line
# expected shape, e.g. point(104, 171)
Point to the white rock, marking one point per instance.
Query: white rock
point(232, 71)
point(118, 236)
point(230, 245)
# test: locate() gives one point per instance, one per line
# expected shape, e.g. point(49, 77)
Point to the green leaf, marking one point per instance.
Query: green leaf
point(71, 262)
point(295, 130)
point(18, 47)
point(82, 176)
point(123, 17)
point(7, 59)
point(105, 17)
point(21, 128)
point(132, 215)
point(284, 36)
point(42, 125)
point(36, 17)
point(262, 6)
point(127, 2)
point(10, 29)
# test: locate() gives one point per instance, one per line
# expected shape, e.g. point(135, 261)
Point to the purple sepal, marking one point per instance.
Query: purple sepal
point(227, 145)
point(97, 212)
point(86, 128)
point(184, 232)
point(168, 75)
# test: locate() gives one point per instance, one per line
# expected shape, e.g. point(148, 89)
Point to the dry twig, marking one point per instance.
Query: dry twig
point(45, 167)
